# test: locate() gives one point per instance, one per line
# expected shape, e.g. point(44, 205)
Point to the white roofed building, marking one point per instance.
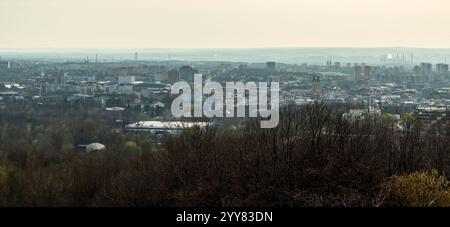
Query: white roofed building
point(163, 127)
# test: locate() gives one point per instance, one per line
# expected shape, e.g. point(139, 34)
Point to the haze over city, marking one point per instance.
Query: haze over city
point(223, 24)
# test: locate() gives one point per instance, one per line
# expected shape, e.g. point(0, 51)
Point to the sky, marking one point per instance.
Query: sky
point(223, 23)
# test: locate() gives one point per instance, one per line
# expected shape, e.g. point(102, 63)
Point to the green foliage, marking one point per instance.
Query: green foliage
point(407, 119)
point(387, 119)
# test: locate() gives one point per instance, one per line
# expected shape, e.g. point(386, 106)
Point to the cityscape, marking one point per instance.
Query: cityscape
point(239, 106)
point(395, 87)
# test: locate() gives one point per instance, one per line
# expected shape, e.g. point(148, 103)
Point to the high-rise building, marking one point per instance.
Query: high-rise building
point(122, 71)
point(270, 65)
point(357, 72)
point(173, 76)
point(317, 89)
point(417, 71)
point(367, 71)
point(426, 68)
point(5, 65)
point(442, 69)
point(337, 66)
point(187, 73)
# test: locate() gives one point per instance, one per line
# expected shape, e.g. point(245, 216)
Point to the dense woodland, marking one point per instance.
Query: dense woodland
point(314, 158)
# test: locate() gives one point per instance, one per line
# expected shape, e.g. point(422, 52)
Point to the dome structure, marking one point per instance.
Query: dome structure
point(95, 147)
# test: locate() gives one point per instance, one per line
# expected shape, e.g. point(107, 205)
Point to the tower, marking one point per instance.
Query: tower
point(417, 70)
point(442, 69)
point(317, 89)
point(270, 66)
point(329, 63)
point(367, 71)
point(357, 72)
point(427, 68)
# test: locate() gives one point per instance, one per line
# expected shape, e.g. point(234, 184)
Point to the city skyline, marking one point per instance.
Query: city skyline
point(230, 24)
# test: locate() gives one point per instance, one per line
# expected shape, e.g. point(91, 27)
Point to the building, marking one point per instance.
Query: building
point(367, 71)
point(337, 66)
point(329, 63)
point(5, 65)
point(187, 73)
point(126, 79)
point(95, 147)
point(357, 72)
point(163, 127)
point(125, 88)
point(417, 71)
point(442, 69)
point(358, 114)
point(79, 78)
point(91, 147)
point(426, 68)
point(116, 113)
point(270, 66)
point(10, 95)
point(122, 71)
point(173, 76)
point(433, 116)
point(317, 89)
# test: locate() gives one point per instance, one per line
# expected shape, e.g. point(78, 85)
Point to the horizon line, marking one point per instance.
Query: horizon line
point(215, 48)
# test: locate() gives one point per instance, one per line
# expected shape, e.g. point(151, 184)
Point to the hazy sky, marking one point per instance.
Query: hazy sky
point(223, 23)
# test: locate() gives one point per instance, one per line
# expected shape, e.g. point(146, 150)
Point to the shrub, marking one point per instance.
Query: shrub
point(421, 189)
